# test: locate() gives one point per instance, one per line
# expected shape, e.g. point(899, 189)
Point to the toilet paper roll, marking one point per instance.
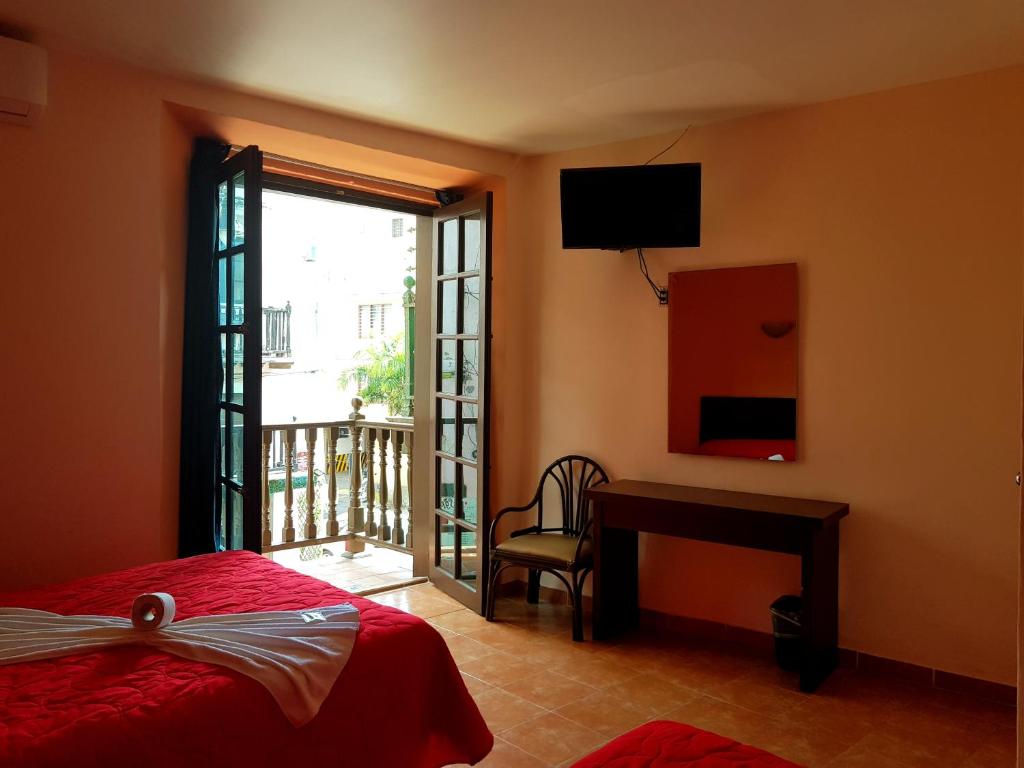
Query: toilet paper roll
point(152, 611)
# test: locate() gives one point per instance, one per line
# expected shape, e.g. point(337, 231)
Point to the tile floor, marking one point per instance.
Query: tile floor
point(376, 567)
point(550, 701)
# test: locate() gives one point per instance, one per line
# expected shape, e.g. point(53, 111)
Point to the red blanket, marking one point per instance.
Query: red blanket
point(400, 700)
point(664, 744)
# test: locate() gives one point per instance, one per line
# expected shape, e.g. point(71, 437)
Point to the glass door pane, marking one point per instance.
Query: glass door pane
point(238, 255)
point(459, 375)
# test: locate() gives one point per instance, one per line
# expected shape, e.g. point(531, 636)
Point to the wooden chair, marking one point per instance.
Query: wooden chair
point(563, 548)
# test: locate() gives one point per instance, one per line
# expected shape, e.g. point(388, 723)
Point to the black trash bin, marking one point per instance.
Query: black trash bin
point(786, 615)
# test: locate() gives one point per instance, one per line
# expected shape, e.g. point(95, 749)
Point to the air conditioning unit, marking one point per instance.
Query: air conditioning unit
point(22, 81)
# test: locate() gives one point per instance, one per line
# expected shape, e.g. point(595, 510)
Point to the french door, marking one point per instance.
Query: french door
point(238, 258)
point(460, 365)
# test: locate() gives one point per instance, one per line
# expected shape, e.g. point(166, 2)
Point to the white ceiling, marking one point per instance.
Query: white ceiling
point(542, 75)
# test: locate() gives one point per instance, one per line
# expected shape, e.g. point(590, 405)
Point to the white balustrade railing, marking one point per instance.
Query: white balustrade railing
point(374, 461)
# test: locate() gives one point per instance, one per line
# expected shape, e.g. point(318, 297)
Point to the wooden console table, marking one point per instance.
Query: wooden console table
point(801, 527)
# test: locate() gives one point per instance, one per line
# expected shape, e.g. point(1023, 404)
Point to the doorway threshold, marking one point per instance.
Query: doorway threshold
point(388, 588)
point(377, 569)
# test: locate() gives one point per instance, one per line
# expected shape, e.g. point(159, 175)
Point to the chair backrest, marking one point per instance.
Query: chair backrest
point(572, 475)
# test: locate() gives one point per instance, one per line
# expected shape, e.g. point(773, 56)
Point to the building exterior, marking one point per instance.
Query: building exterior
point(339, 270)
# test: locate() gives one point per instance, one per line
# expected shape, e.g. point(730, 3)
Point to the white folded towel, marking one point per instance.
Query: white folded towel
point(296, 655)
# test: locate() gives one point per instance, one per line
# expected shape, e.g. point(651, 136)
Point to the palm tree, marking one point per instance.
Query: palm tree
point(380, 377)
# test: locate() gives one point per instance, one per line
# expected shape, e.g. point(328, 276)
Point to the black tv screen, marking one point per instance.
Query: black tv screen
point(631, 206)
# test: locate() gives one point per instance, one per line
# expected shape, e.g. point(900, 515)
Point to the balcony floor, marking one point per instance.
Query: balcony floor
point(375, 568)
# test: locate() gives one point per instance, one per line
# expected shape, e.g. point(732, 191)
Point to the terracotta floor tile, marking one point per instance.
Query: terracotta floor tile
point(847, 704)
point(428, 610)
point(937, 725)
point(769, 699)
point(651, 694)
point(506, 638)
point(875, 689)
point(848, 682)
point(552, 650)
point(554, 619)
point(517, 606)
point(502, 710)
point(499, 668)
point(605, 713)
point(419, 604)
point(990, 757)
point(804, 746)
point(549, 689)
point(576, 758)
point(699, 674)
point(917, 749)
point(595, 671)
point(638, 658)
point(429, 590)
point(1004, 740)
point(553, 700)
point(653, 639)
point(553, 738)
point(459, 621)
point(720, 717)
point(749, 662)
point(860, 757)
point(474, 684)
point(977, 708)
point(769, 674)
point(464, 649)
point(504, 755)
point(836, 715)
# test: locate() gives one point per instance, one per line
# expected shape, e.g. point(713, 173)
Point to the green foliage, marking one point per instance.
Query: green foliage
point(277, 484)
point(380, 376)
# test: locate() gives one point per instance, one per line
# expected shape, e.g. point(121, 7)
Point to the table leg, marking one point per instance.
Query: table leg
point(820, 633)
point(615, 585)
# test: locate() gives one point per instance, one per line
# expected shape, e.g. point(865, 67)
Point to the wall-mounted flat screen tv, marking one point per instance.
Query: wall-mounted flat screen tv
point(631, 206)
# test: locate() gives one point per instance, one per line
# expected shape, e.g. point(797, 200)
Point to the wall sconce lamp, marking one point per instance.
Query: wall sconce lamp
point(776, 329)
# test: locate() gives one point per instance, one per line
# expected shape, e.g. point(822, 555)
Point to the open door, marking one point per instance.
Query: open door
point(238, 256)
point(460, 367)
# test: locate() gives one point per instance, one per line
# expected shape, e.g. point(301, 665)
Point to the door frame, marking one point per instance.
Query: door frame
point(475, 598)
point(421, 447)
point(248, 161)
point(423, 428)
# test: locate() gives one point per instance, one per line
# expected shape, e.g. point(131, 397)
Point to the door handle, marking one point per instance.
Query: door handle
point(1016, 479)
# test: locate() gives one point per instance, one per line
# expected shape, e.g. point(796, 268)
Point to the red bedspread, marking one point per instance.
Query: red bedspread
point(665, 744)
point(399, 703)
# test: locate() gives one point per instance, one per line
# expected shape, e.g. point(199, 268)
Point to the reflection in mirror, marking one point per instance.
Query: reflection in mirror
point(733, 362)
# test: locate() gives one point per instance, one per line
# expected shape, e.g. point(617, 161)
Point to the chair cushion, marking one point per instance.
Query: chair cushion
point(555, 548)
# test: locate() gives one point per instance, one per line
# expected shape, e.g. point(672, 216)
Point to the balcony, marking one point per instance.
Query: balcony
point(344, 487)
point(277, 336)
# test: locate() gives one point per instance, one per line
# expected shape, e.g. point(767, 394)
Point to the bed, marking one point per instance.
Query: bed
point(399, 701)
point(666, 744)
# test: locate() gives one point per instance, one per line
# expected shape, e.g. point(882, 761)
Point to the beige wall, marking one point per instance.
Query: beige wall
point(91, 242)
point(903, 210)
